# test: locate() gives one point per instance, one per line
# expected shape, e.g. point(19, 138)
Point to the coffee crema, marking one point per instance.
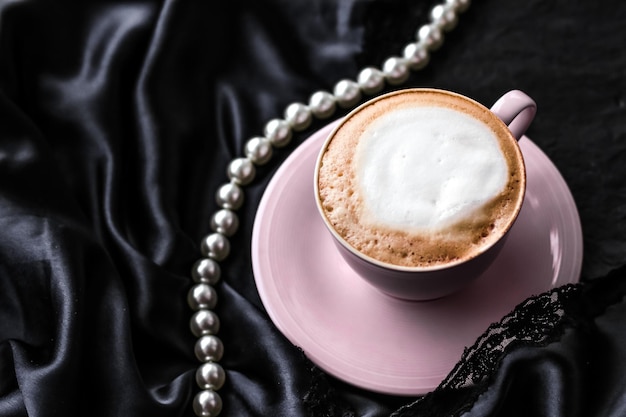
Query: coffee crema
point(421, 178)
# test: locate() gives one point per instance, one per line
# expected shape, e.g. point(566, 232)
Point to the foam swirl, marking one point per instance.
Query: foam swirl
point(424, 168)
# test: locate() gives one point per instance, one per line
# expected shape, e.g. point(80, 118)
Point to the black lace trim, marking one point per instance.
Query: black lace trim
point(538, 321)
point(322, 400)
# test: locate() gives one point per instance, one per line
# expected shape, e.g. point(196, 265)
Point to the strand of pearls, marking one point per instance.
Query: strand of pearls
point(215, 247)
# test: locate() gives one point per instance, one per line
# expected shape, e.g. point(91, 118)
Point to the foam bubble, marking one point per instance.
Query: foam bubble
point(424, 168)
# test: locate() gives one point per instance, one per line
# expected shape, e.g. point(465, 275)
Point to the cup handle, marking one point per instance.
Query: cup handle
point(517, 110)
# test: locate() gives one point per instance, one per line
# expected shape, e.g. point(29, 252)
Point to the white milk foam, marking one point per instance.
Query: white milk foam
point(425, 168)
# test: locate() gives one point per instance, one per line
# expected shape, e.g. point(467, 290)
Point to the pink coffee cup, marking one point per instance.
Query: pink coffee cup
point(417, 265)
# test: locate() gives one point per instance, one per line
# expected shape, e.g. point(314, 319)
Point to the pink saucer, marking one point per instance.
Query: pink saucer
point(376, 342)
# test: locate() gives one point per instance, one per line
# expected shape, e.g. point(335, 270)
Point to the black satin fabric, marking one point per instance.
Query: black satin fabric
point(117, 121)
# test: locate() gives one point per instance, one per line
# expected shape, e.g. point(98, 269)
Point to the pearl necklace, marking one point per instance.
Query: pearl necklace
point(206, 272)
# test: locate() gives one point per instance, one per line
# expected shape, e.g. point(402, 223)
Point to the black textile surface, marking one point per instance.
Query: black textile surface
point(117, 121)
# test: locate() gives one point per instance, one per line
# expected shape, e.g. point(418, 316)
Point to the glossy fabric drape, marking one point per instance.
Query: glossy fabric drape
point(117, 121)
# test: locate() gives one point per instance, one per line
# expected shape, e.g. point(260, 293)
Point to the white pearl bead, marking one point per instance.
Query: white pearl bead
point(347, 93)
point(322, 104)
point(278, 132)
point(444, 17)
point(459, 5)
point(396, 70)
point(298, 116)
point(207, 403)
point(229, 196)
point(225, 221)
point(202, 296)
point(241, 171)
point(204, 322)
point(258, 150)
point(209, 348)
point(417, 55)
point(210, 375)
point(215, 246)
point(371, 80)
point(206, 271)
point(431, 36)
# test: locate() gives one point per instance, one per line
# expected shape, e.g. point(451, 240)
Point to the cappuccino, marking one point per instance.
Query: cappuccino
point(421, 178)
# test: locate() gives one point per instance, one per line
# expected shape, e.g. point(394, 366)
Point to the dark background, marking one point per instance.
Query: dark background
point(117, 122)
